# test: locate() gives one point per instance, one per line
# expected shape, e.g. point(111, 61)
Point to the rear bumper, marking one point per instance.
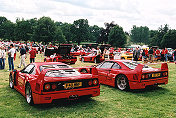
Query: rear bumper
point(48, 98)
point(144, 83)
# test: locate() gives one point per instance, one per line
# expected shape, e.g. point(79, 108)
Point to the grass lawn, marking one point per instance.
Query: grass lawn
point(146, 103)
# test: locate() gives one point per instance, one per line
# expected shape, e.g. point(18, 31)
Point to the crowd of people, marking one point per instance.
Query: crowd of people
point(9, 50)
point(154, 54)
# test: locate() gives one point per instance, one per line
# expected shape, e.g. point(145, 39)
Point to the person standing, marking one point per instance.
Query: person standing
point(143, 55)
point(175, 55)
point(136, 54)
point(98, 55)
point(0, 57)
point(165, 54)
point(3, 57)
point(23, 56)
point(32, 54)
point(150, 54)
point(11, 54)
point(162, 55)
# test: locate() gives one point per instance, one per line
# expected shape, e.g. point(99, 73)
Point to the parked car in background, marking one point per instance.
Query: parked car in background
point(60, 54)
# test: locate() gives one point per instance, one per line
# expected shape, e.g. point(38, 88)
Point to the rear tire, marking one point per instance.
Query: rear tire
point(121, 82)
point(11, 81)
point(28, 94)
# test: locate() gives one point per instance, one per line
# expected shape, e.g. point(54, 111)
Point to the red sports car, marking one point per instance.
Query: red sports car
point(61, 54)
point(125, 74)
point(91, 58)
point(43, 82)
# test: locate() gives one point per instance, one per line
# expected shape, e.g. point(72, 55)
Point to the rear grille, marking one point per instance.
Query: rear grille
point(61, 85)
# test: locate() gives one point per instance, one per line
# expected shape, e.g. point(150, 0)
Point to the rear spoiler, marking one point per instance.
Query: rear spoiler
point(138, 70)
point(91, 70)
point(164, 66)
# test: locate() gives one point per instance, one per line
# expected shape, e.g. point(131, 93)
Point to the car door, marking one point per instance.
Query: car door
point(103, 71)
point(113, 71)
point(25, 73)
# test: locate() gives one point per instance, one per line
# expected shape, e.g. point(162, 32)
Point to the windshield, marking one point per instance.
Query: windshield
point(133, 64)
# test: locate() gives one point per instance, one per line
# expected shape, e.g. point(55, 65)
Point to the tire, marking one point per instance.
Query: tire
point(82, 59)
point(121, 82)
point(11, 82)
point(123, 58)
point(28, 94)
point(45, 60)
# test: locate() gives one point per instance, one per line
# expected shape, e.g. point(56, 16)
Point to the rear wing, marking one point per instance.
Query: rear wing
point(90, 70)
point(164, 66)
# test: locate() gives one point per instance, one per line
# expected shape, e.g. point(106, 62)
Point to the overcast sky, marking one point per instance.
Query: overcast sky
point(126, 13)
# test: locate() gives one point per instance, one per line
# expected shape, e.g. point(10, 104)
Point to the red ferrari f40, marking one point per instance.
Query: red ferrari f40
point(126, 74)
point(43, 82)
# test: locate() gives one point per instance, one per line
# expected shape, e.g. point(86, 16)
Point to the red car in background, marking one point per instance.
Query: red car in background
point(43, 82)
point(92, 58)
point(125, 74)
point(60, 54)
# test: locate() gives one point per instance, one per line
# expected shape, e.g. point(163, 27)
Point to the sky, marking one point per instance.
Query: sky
point(126, 13)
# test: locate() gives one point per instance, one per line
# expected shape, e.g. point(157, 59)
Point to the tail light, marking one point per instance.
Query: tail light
point(165, 74)
point(90, 82)
point(95, 82)
point(47, 87)
point(143, 76)
point(54, 86)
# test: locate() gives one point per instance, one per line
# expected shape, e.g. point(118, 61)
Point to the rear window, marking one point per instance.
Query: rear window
point(62, 73)
point(133, 64)
point(52, 66)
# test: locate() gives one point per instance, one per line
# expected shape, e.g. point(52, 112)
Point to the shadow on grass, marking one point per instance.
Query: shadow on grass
point(67, 104)
point(148, 89)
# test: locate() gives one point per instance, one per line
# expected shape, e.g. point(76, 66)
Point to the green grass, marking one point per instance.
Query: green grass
point(112, 103)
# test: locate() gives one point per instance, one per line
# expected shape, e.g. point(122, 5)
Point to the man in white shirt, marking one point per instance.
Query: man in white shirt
point(11, 54)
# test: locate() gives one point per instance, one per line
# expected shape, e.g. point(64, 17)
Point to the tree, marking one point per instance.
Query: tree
point(45, 30)
point(59, 37)
point(140, 34)
point(9, 31)
point(66, 30)
point(117, 37)
point(22, 30)
point(169, 39)
point(94, 33)
point(81, 30)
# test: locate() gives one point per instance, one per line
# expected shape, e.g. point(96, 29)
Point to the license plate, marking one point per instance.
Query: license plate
point(156, 74)
point(72, 85)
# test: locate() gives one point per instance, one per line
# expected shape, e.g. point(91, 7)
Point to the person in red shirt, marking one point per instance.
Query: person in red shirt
point(146, 52)
point(32, 54)
point(165, 54)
